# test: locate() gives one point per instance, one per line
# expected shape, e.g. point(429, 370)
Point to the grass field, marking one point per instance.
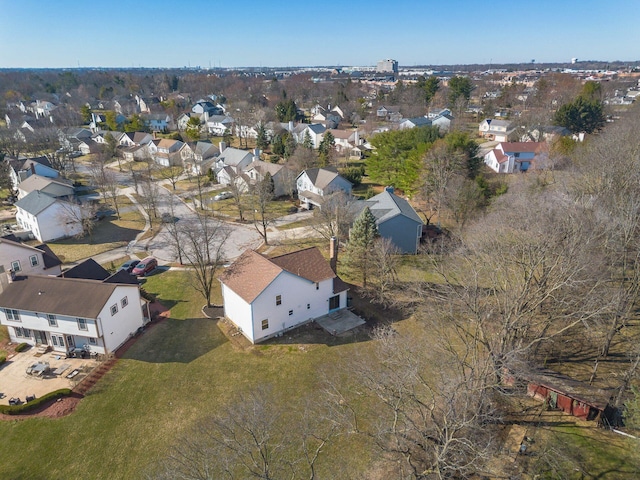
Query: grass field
point(179, 371)
point(184, 368)
point(108, 234)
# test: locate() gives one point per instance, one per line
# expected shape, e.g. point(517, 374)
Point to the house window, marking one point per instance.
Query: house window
point(15, 266)
point(290, 312)
point(114, 309)
point(82, 324)
point(265, 324)
point(52, 320)
point(93, 341)
point(22, 332)
point(124, 302)
point(54, 340)
point(12, 314)
point(34, 260)
point(278, 299)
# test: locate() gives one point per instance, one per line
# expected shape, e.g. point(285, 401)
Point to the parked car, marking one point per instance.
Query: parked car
point(168, 218)
point(102, 214)
point(129, 266)
point(145, 267)
point(223, 196)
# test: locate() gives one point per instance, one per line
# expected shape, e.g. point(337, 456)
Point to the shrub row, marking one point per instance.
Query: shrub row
point(26, 407)
point(3, 358)
point(21, 347)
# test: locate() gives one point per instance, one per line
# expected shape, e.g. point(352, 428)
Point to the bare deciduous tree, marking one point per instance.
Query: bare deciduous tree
point(172, 174)
point(150, 192)
point(524, 276)
point(251, 439)
point(105, 181)
point(335, 215)
point(262, 204)
point(434, 418)
point(202, 241)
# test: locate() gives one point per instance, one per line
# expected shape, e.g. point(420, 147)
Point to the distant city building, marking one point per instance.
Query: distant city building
point(387, 66)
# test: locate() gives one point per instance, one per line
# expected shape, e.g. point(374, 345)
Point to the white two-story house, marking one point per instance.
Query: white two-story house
point(315, 183)
point(48, 217)
point(166, 152)
point(512, 157)
point(26, 259)
point(264, 296)
point(67, 313)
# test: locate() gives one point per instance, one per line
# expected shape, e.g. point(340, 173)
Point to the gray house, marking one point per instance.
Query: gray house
point(396, 220)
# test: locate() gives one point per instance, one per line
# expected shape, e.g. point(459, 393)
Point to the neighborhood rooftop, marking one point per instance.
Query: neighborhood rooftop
point(62, 296)
point(252, 272)
point(386, 205)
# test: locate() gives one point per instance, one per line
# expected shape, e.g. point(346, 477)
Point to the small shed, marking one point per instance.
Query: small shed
point(570, 395)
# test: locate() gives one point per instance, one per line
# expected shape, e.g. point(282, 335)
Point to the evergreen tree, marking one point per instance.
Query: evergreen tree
point(277, 145)
point(461, 143)
point(262, 142)
point(582, 115)
point(397, 158)
point(85, 112)
point(459, 87)
point(193, 128)
point(308, 141)
point(286, 111)
point(325, 148)
point(136, 124)
point(429, 87)
point(110, 120)
point(289, 145)
point(360, 245)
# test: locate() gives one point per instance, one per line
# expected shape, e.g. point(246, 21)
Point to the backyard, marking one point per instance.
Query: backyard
point(184, 368)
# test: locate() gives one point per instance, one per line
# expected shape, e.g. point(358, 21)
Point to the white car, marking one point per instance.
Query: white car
point(223, 196)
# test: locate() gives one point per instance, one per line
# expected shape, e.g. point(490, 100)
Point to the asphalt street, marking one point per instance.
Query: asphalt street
point(241, 236)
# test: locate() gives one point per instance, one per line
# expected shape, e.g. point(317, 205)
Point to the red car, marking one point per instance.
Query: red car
point(146, 266)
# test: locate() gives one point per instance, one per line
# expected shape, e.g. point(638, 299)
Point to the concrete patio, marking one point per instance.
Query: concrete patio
point(16, 383)
point(339, 322)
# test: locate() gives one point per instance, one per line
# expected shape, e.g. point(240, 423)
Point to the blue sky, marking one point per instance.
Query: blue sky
point(234, 33)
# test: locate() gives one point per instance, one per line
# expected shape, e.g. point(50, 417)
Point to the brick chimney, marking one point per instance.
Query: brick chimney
point(333, 254)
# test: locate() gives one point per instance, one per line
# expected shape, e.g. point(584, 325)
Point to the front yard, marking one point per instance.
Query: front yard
point(109, 233)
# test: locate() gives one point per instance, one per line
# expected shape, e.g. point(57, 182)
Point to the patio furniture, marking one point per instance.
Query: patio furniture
point(39, 369)
point(61, 369)
point(73, 373)
point(15, 401)
point(31, 398)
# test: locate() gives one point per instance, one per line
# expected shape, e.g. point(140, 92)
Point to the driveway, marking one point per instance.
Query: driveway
point(15, 382)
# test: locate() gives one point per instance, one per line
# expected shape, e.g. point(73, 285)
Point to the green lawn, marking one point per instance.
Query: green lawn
point(108, 234)
point(183, 369)
point(179, 371)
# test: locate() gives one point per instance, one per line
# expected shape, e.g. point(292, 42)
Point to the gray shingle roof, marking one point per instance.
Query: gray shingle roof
point(233, 156)
point(56, 187)
point(387, 205)
point(58, 296)
point(35, 202)
point(321, 177)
